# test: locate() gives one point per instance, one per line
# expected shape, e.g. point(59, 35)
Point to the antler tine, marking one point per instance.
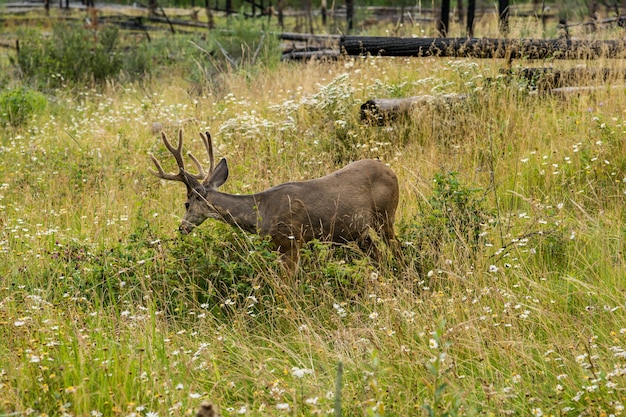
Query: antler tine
point(183, 174)
point(206, 139)
point(201, 174)
point(177, 153)
point(160, 173)
point(208, 144)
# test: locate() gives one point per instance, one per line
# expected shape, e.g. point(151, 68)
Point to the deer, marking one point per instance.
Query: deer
point(344, 206)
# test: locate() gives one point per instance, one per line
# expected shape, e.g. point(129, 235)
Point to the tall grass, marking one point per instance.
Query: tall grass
point(508, 300)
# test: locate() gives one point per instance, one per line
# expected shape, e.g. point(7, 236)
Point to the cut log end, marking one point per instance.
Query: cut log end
point(207, 410)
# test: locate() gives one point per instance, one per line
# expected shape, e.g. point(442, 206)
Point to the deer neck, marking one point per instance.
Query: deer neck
point(236, 210)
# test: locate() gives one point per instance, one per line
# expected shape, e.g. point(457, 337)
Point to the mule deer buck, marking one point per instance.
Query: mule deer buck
point(343, 206)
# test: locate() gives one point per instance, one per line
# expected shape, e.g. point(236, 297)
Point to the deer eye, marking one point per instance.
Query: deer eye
point(187, 205)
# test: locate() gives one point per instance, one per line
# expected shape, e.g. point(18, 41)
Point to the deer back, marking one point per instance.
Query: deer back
point(339, 207)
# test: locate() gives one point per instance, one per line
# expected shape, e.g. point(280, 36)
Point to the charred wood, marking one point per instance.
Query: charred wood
point(550, 78)
point(483, 47)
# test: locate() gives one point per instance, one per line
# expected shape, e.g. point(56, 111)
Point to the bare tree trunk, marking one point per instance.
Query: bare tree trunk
point(471, 9)
point(309, 15)
point(460, 11)
point(444, 19)
point(543, 16)
point(503, 12)
point(593, 8)
point(279, 6)
point(92, 12)
point(324, 13)
point(209, 14)
point(593, 14)
point(350, 14)
point(563, 31)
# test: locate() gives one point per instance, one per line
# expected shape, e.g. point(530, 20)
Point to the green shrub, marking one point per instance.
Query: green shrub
point(455, 213)
point(456, 207)
point(74, 55)
point(246, 44)
point(19, 104)
point(246, 48)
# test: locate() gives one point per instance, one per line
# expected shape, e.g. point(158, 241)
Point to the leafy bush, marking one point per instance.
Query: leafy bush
point(222, 266)
point(246, 48)
point(456, 207)
point(19, 104)
point(245, 43)
point(75, 55)
point(455, 213)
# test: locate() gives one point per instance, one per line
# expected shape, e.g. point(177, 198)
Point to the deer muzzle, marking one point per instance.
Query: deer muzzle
point(185, 227)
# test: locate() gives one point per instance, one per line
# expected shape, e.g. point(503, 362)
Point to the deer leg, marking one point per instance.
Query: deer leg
point(368, 241)
point(289, 260)
point(379, 242)
point(387, 233)
point(289, 253)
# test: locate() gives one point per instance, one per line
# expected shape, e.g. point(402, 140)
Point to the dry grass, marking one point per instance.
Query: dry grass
point(105, 310)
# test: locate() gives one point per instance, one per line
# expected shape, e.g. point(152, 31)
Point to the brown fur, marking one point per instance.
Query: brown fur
point(340, 207)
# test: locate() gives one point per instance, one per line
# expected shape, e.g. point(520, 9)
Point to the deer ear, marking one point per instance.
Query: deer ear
point(219, 175)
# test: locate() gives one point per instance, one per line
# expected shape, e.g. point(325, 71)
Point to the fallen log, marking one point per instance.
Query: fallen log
point(305, 37)
point(544, 78)
point(483, 47)
point(9, 46)
point(564, 92)
point(381, 110)
point(178, 22)
point(305, 55)
point(609, 20)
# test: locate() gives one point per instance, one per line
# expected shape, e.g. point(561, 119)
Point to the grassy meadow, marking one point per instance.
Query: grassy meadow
point(509, 297)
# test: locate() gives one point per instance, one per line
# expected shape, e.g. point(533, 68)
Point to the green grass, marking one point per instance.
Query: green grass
point(508, 299)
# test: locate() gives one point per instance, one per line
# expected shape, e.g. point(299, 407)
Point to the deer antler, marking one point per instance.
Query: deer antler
point(182, 174)
point(208, 144)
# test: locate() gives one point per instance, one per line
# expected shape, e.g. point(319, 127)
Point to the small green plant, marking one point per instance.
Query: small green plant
point(443, 400)
point(18, 105)
point(375, 403)
point(454, 213)
point(457, 207)
point(333, 104)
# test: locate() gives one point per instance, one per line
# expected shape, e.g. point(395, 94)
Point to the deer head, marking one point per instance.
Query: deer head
point(199, 186)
